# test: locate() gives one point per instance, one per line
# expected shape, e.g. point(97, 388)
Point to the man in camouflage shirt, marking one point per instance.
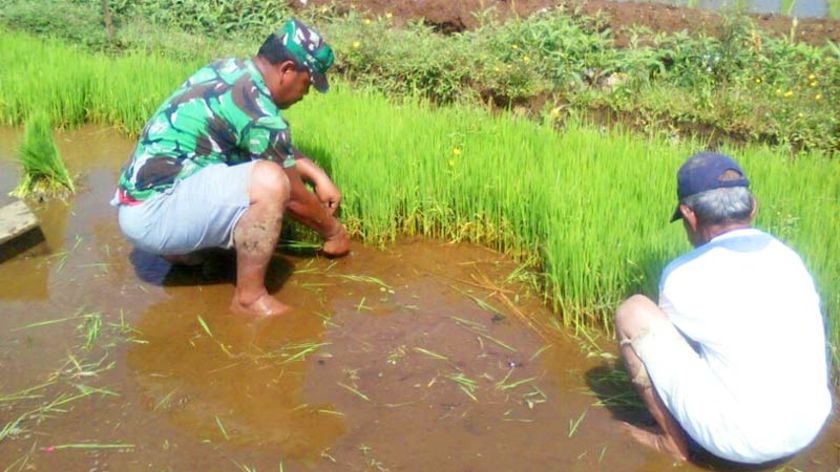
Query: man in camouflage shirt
point(215, 167)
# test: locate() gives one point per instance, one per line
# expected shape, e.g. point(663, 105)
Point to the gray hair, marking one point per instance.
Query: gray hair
point(721, 205)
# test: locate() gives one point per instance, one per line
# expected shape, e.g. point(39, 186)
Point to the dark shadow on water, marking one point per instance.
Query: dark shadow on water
point(612, 387)
point(218, 267)
point(32, 242)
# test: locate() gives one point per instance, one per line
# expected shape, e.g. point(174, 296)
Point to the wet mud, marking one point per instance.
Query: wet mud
point(414, 357)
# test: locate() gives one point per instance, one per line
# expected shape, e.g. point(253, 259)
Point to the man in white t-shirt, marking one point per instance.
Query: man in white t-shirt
point(733, 357)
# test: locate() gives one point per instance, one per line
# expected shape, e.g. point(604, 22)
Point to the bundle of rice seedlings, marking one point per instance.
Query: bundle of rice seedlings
point(44, 172)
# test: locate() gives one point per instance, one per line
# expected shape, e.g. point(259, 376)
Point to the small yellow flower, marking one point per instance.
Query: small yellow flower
point(758, 80)
point(788, 93)
point(814, 83)
point(367, 21)
point(356, 44)
point(509, 66)
point(451, 163)
point(456, 151)
point(812, 77)
point(817, 96)
point(388, 15)
point(778, 91)
point(526, 59)
point(497, 69)
point(514, 47)
point(801, 115)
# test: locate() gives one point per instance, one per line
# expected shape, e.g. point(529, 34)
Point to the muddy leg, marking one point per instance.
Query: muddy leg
point(255, 237)
point(632, 319)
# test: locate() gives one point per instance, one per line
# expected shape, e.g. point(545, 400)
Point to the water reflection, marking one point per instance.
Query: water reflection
point(793, 8)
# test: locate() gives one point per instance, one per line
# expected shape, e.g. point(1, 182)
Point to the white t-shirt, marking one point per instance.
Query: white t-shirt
point(750, 305)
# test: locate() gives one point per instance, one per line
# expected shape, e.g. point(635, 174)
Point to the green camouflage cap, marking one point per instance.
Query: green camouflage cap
point(309, 49)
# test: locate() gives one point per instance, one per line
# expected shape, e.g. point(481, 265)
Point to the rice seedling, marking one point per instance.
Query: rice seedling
point(361, 305)
point(166, 401)
point(204, 326)
point(481, 334)
point(40, 413)
point(43, 323)
point(574, 424)
point(354, 391)
point(22, 463)
point(25, 394)
point(44, 172)
point(534, 397)
point(59, 447)
point(365, 279)
point(503, 384)
point(90, 328)
point(466, 384)
point(222, 428)
point(431, 354)
point(540, 351)
point(243, 467)
point(303, 349)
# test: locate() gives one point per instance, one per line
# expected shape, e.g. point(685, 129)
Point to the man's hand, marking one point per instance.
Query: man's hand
point(329, 195)
point(338, 244)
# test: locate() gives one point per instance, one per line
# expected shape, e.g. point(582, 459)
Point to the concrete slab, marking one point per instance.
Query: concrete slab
point(15, 220)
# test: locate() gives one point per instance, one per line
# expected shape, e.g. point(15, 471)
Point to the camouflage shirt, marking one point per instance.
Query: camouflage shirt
point(222, 114)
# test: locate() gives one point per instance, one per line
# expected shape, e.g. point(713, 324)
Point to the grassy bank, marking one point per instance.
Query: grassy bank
point(589, 206)
point(553, 66)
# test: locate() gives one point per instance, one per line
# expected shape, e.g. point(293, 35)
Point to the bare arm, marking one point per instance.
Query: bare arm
point(325, 189)
point(305, 208)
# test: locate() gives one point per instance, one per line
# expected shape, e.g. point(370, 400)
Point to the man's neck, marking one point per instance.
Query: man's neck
point(712, 231)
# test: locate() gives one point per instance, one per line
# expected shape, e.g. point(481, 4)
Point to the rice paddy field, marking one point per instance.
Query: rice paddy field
point(470, 329)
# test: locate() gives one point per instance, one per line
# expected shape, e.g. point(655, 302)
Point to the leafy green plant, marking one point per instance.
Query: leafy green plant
point(219, 18)
point(44, 172)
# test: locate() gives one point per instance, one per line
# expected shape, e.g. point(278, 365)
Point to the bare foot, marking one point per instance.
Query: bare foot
point(264, 306)
point(190, 260)
point(657, 441)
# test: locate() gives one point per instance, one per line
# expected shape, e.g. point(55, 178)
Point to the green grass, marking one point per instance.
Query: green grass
point(44, 172)
point(592, 204)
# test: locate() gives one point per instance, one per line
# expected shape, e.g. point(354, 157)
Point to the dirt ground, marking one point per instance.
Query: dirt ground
point(457, 15)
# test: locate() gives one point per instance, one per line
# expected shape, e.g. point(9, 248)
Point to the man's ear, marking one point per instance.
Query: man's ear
point(754, 208)
point(286, 66)
point(689, 216)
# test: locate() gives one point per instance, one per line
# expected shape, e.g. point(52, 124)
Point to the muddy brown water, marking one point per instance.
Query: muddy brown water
point(388, 362)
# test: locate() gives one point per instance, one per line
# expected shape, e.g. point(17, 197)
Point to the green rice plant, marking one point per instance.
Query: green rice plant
point(593, 204)
point(44, 172)
point(72, 87)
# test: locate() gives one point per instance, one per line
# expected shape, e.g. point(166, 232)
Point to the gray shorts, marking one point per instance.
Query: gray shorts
point(198, 212)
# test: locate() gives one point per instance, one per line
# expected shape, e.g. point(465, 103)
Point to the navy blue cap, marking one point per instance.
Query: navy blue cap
point(707, 171)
